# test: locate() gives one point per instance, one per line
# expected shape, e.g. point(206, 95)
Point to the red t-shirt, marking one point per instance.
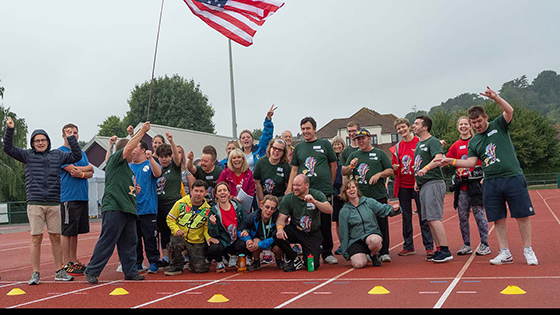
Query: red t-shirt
point(229, 221)
point(460, 150)
point(405, 159)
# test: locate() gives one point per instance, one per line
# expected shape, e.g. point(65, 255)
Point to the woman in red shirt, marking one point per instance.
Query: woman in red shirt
point(466, 185)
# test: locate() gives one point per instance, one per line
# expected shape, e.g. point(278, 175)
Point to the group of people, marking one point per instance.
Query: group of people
point(273, 202)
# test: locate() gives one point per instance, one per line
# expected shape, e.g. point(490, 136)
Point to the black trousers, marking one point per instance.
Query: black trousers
point(310, 243)
point(146, 228)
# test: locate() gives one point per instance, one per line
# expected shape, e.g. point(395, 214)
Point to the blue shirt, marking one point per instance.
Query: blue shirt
point(146, 200)
point(72, 188)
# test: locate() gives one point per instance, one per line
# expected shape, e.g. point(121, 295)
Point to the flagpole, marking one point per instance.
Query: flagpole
point(233, 115)
point(154, 63)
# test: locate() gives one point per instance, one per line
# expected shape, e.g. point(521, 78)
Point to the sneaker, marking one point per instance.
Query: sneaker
point(442, 256)
point(293, 265)
point(465, 250)
point(375, 260)
point(504, 257)
point(483, 250)
point(331, 260)
point(220, 267)
point(35, 278)
point(153, 268)
point(385, 258)
point(406, 252)
point(75, 269)
point(530, 257)
point(91, 279)
point(429, 254)
point(174, 271)
point(62, 275)
point(136, 277)
point(254, 266)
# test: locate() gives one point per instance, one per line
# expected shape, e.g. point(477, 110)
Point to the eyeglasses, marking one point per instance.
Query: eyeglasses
point(267, 207)
point(40, 140)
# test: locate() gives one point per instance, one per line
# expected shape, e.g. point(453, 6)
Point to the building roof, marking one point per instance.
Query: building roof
point(190, 140)
point(365, 117)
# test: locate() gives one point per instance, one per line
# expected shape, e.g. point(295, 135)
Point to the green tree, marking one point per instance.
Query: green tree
point(176, 102)
point(113, 126)
point(12, 185)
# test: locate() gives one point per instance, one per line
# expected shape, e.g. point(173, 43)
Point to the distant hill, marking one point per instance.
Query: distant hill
point(541, 95)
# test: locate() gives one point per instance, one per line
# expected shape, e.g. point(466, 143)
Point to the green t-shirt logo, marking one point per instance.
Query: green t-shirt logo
point(310, 163)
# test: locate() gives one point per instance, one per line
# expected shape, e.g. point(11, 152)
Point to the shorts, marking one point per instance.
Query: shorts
point(358, 247)
point(496, 192)
point(431, 195)
point(38, 215)
point(75, 217)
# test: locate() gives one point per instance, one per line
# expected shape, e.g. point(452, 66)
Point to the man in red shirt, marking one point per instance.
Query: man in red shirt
point(403, 166)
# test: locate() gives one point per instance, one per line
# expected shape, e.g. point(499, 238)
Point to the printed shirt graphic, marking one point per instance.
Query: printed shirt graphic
point(313, 159)
point(273, 178)
point(423, 154)
point(369, 164)
point(495, 150)
point(304, 215)
point(406, 161)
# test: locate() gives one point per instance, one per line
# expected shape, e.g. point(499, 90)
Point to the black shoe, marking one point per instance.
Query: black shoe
point(136, 277)
point(442, 256)
point(375, 260)
point(293, 265)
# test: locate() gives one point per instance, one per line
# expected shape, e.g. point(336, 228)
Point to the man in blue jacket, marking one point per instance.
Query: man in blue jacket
point(42, 181)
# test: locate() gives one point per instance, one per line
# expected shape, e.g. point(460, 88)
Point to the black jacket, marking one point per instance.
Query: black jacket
point(42, 169)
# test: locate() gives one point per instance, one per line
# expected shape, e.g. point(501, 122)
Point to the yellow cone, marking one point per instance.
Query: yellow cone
point(119, 291)
point(218, 298)
point(378, 290)
point(16, 291)
point(512, 290)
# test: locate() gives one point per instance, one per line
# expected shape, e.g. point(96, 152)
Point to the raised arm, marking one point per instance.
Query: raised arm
point(504, 105)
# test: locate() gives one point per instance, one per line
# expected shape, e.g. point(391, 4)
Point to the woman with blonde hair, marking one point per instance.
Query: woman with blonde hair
point(239, 178)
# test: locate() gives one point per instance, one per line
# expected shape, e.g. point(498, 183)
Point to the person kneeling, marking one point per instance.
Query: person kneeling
point(360, 235)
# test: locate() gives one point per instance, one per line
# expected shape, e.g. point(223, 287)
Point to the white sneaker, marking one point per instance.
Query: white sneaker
point(530, 257)
point(331, 260)
point(504, 257)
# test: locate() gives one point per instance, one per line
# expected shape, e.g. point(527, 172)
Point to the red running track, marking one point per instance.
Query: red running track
point(407, 282)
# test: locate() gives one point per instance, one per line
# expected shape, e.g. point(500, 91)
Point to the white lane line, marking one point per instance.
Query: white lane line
point(314, 289)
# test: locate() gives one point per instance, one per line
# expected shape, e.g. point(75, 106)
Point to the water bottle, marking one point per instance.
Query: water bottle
point(310, 263)
point(241, 263)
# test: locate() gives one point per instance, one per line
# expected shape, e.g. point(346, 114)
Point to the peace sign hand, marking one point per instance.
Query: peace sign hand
point(270, 112)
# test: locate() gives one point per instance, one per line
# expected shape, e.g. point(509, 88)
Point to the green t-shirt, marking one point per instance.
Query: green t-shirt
point(423, 154)
point(369, 164)
point(304, 215)
point(274, 178)
point(120, 182)
point(210, 179)
point(495, 150)
point(169, 184)
point(346, 153)
point(313, 159)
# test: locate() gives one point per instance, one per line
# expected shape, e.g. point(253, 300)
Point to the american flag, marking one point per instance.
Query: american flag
point(238, 20)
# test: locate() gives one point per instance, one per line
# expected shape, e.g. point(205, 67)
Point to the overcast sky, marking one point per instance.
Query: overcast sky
point(77, 61)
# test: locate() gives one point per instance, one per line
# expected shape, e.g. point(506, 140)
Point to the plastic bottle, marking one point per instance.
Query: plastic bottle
point(241, 263)
point(310, 263)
